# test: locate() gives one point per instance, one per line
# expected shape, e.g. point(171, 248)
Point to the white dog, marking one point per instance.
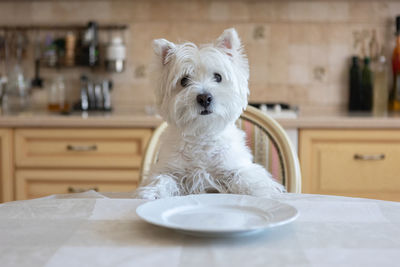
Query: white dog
point(201, 92)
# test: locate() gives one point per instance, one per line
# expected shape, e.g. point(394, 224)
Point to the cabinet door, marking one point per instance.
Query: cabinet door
point(358, 163)
point(6, 165)
point(81, 148)
point(39, 183)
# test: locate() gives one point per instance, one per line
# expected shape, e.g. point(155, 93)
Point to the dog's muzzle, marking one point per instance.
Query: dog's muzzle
point(205, 100)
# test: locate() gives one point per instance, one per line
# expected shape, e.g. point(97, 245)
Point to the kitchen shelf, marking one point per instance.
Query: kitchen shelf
point(66, 27)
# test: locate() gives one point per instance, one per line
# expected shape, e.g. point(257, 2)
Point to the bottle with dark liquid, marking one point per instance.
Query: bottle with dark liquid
point(90, 46)
point(355, 85)
point(366, 86)
point(394, 96)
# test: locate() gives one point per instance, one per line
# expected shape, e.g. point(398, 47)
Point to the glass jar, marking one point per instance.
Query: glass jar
point(57, 95)
point(17, 96)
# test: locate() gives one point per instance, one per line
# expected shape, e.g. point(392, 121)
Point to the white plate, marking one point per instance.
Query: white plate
point(217, 214)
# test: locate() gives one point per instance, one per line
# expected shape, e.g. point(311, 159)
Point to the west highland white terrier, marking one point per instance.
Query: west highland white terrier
point(201, 92)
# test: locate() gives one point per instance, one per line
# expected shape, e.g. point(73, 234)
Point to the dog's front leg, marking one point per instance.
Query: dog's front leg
point(254, 180)
point(157, 186)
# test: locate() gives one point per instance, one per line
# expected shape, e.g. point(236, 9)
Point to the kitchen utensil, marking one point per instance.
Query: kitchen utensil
point(98, 96)
point(95, 96)
point(91, 95)
point(17, 93)
point(115, 55)
point(89, 50)
point(3, 84)
point(37, 80)
point(84, 101)
point(107, 87)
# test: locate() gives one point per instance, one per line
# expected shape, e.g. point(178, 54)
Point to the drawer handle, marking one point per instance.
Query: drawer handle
point(369, 157)
point(81, 148)
point(72, 189)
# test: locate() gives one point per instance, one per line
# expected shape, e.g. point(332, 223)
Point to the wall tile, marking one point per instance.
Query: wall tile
point(299, 74)
point(272, 92)
point(190, 10)
point(197, 32)
point(269, 11)
point(393, 7)
point(130, 10)
point(258, 61)
point(239, 11)
point(219, 11)
point(12, 12)
point(299, 54)
point(309, 33)
point(298, 95)
point(278, 53)
point(362, 11)
point(318, 11)
point(70, 11)
point(338, 11)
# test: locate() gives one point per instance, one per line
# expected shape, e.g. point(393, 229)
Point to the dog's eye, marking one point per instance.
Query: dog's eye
point(185, 81)
point(217, 77)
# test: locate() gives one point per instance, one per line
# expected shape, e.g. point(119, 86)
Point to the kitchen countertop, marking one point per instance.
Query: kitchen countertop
point(343, 120)
point(137, 118)
point(141, 118)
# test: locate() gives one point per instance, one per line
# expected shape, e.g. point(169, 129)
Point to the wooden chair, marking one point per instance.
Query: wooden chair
point(268, 141)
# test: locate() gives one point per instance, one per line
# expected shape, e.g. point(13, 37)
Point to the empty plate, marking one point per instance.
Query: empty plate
point(217, 214)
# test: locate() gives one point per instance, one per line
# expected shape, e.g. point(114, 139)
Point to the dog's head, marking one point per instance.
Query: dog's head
point(200, 90)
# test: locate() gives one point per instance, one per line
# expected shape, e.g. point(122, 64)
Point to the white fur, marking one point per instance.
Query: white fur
point(203, 153)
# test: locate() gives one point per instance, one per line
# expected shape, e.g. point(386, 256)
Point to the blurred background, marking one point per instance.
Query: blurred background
point(299, 51)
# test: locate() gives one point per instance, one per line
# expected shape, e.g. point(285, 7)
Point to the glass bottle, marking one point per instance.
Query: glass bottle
point(17, 98)
point(394, 97)
point(366, 86)
point(56, 95)
point(90, 45)
point(380, 87)
point(355, 85)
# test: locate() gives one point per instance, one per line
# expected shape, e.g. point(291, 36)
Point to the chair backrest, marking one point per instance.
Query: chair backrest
point(268, 141)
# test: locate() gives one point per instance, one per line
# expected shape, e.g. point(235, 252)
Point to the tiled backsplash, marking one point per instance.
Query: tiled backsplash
point(298, 50)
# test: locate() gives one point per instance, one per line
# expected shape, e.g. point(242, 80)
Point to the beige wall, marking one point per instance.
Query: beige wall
point(298, 50)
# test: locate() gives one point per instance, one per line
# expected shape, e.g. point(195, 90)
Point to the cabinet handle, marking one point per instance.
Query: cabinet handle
point(72, 189)
point(369, 157)
point(81, 148)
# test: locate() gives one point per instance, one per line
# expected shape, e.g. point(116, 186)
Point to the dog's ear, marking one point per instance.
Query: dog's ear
point(163, 49)
point(229, 41)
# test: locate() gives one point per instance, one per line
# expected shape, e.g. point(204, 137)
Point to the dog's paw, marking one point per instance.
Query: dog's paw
point(267, 189)
point(278, 188)
point(146, 193)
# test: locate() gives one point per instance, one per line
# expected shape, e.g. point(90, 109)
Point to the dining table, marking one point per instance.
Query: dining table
point(103, 229)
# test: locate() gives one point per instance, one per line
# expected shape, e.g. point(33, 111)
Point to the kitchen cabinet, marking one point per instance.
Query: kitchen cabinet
point(36, 162)
point(80, 148)
point(6, 165)
point(357, 163)
point(34, 183)
point(59, 161)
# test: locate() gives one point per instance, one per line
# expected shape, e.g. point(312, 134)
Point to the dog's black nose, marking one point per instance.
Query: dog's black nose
point(204, 99)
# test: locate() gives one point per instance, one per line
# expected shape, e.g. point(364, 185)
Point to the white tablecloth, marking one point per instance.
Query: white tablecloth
point(93, 230)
